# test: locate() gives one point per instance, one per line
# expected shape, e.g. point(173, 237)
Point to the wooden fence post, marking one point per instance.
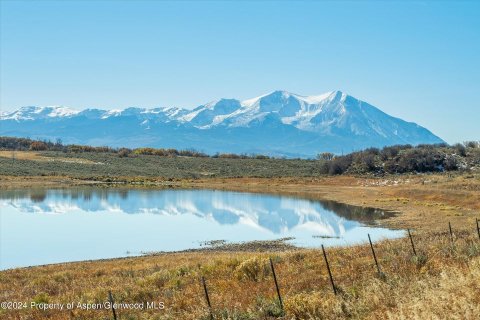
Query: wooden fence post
point(276, 284)
point(411, 241)
point(374, 256)
point(110, 297)
point(451, 232)
point(478, 228)
point(207, 297)
point(329, 272)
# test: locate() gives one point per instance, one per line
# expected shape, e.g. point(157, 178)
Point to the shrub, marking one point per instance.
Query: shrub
point(253, 269)
point(472, 144)
point(461, 150)
point(314, 305)
point(228, 156)
point(38, 146)
point(340, 165)
point(144, 151)
point(369, 161)
point(124, 152)
point(372, 151)
point(158, 279)
point(450, 163)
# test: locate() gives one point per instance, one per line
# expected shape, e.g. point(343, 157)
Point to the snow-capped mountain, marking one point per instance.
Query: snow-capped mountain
point(278, 123)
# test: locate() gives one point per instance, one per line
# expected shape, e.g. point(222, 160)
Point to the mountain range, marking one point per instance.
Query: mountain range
point(279, 123)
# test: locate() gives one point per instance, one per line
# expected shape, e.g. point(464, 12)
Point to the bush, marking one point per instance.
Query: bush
point(461, 150)
point(369, 161)
point(253, 269)
point(340, 165)
point(38, 146)
point(314, 305)
point(159, 279)
point(472, 144)
point(124, 152)
point(451, 163)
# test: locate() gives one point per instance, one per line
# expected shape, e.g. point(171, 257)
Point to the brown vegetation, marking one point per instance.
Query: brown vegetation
point(38, 156)
point(440, 282)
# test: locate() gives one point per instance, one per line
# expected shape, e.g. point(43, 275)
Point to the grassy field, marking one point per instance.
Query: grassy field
point(98, 165)
point(158, 163)
point(440, 282)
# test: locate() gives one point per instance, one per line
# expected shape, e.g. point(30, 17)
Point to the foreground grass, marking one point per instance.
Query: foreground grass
point(441, 282)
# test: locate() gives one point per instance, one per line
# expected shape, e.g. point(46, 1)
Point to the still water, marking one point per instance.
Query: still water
point(60, 225)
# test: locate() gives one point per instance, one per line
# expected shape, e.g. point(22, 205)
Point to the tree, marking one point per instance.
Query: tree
point(325, 156)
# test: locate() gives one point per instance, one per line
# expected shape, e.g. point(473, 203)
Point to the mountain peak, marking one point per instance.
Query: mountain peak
point(282, 93)
point(337, 92)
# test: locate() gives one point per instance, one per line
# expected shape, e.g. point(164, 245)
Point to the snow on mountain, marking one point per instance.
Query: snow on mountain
point(112, 113)
point(206, 115)
point(289, 108)
point(33, 113)
point(279, 122)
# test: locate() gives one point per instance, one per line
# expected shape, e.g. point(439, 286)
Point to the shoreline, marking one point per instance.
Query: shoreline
point(254, 246)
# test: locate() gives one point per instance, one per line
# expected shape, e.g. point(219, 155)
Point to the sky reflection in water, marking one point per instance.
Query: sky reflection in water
point(48, 226)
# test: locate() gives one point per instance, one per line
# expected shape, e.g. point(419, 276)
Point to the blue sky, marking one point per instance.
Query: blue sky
point(419, 61)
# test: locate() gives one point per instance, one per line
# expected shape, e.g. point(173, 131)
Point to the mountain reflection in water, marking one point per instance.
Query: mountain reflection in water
point(274, 213)
point(60, 225)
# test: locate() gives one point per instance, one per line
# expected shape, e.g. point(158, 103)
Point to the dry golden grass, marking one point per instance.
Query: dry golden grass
point(442, 282)
point(37, 156)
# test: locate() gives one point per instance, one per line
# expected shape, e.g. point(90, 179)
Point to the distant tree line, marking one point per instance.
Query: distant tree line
point(403, 159)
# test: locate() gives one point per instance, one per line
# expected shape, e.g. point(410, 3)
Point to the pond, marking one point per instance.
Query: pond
point(61, 225)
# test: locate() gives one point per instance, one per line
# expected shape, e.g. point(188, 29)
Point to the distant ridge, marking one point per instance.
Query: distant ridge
point(278, 123)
